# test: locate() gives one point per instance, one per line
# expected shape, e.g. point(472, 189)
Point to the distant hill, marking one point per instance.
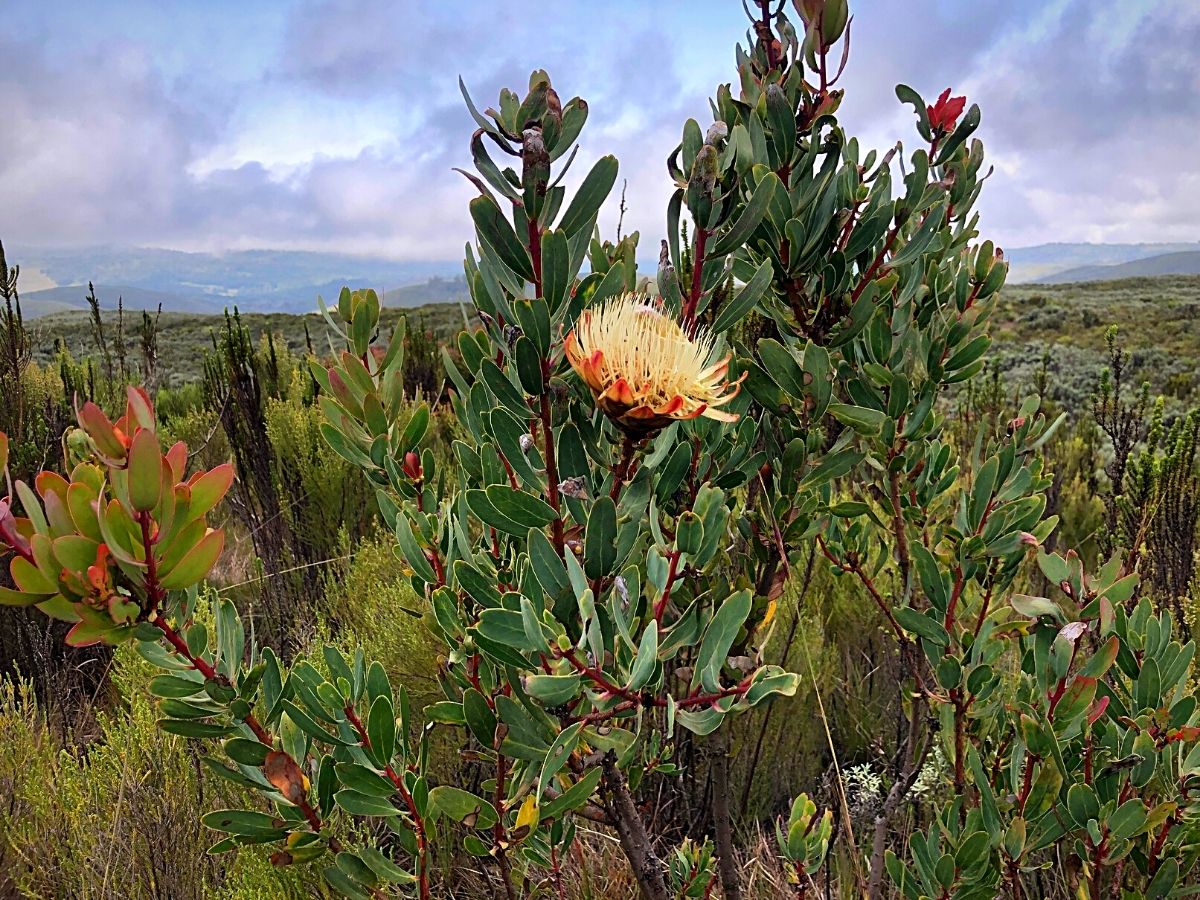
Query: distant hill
point(270, 281)
point(72, 297)
point(435, 290)
point(69, 297)
point(253, 280)
point(184, 338)
point(1038, 263)
point(1186, 262)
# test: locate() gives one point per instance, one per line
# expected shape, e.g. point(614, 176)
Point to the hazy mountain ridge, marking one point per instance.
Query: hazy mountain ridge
point(1185, 262)
point(269, 281)
point(1043, 262)
point(253, 280)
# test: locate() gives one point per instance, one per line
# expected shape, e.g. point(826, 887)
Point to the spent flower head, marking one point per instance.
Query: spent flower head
point(644, 370)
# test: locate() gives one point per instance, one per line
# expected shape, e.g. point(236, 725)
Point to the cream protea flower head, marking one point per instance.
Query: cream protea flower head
point(643, 369)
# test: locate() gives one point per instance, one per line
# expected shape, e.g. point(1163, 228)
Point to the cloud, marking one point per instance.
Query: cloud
point(343, 132)
point(1090, 121)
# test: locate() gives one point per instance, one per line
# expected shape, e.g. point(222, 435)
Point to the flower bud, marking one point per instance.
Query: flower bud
point(412, 466)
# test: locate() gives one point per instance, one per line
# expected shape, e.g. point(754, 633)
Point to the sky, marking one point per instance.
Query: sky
point(335, 124)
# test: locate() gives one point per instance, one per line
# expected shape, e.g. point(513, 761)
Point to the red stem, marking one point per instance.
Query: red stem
point(621, 472)
point(661, 606)
point(874, 267)
point(869, 584)
point(551, 465)
point(398, 781)
point(156, 595)
point(264, 737)
point(637, 698)
point(535, 252)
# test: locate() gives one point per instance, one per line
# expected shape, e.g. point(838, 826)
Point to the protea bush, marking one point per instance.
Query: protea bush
point(642, 463)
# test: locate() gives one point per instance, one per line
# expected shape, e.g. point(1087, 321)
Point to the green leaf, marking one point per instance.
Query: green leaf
point(504, 390)
point(552, 690)
point(445, 712)
point(381, 730)
point(412, 551)
point(781, 366)
point(575, 796)
point(557, 755)
point(479, 587)
point(463, 806)
point(480, 718)
point(647, 656)
point(835, 465)
point(922, 625)
point(591, 195)
point(145, 471)
point(860, 418)
point(345, 885)
point(195, 564)
point(496, 231)
point(505, 627)
point(599, 544)
point(356, 869)
point(739, 232)
point(181, 709)
point(719, 637)
point(364, 804)
point(1032, 607)
point(1164, 880)
point(414, 428)
point(700, 722)
point(1103, 659)
point(921, 240)
point(384, 868)
point(520, 507)
point(534, 318)
point(1082, 803)
point(548, 568)
point(175, 686)
point(481, 506)
point(968, 354)
point(556, 262)
point(192, 728)
point(364, 780)
point(739, 305)
point(247, 752)
point(770, 680)
point(533, 627)
point(243, 822)
point(529, 366)
point(1127, 820)
point(782, 119)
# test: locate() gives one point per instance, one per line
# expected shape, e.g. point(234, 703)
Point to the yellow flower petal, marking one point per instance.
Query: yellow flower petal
point(642, 367)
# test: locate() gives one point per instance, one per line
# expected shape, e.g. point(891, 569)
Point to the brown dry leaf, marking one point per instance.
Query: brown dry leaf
point(281, 770)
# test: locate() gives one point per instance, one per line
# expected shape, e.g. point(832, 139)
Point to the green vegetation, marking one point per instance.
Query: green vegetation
point(1159, 317)
point(766, 585)
point(185, 338)
point(1063, 326)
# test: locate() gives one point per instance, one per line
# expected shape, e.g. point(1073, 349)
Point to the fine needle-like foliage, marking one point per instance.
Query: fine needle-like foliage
point(641, 468)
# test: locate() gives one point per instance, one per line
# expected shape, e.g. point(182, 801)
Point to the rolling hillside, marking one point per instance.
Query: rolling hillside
point(253, 280)
point(1042, 262)
point(1186, 262)
point(72, 297)
point(1159, 320)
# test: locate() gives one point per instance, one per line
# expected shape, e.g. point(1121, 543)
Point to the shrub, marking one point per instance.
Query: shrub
point(636, 483)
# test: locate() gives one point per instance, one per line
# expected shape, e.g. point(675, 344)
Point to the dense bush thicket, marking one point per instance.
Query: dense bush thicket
point(782, 488)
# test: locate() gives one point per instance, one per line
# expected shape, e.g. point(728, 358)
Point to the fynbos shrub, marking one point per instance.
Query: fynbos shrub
point(637, 477)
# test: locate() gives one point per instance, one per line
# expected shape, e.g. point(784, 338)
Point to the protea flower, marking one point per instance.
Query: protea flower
point(643, 369)
point(944, 114)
